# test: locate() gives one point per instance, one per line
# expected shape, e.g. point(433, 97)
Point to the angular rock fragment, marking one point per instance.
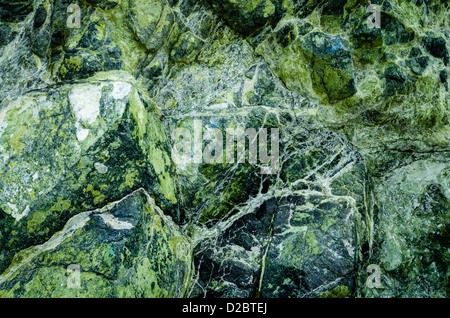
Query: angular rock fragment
point(151, 21)
point(128, 248)
point(437, 47)
point(314, 62)
point(357, 176)
point(245, 16)
point(294, 241)
point(15, 10)
point(95, 52)
point(332, 65)
point(412, 234)
point(50, 142)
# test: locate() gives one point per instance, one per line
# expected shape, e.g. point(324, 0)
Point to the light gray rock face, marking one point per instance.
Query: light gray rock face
point(259, 148)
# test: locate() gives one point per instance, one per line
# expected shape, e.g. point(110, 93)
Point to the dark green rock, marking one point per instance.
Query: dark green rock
point(40, 42)
point(334, 7)
point(187, 47)
point(397, 81)
point(104, 4)
point(151, 22)
point(413, 255)
point(290, 245)
point(437, 47)
point(100, 152)
point(332, 63)
point(5, 34)
point(14, 11)
point(126, 249)
point(245, 16)
point(394, 32)
point(418, 64)
point(91, 187)
point(39, 17)
point(364, 37)
point(95, 52)
point(443, 76)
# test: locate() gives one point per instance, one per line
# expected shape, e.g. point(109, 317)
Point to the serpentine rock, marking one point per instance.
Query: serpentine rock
point(51, 142)
point(253, 148)
point(128, 248)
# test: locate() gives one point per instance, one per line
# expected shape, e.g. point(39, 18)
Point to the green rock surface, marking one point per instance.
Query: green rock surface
point(128, 248)
point(94, 202)
point(104, 144)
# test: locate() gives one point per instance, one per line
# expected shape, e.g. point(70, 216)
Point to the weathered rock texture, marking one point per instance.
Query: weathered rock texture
point(94, 204)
